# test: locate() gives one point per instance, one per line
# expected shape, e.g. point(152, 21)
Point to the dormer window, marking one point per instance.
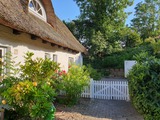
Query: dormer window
point(36, 8)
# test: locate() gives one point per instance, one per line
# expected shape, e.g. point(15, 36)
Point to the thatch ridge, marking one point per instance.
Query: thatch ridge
point(14, 14)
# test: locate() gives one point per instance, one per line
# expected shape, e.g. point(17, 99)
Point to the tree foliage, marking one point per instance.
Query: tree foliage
point(99, 25)
point(73, 83)
point(147, 18)
point(144, 81)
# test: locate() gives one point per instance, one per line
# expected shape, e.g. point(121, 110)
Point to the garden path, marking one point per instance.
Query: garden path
point(98, 110)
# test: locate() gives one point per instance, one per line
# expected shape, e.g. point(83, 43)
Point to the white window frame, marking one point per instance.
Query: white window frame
point(55, 60)
point(1, 57)
point(34, 10)
point(70, 60)
point(3, 49)
point(47, 56)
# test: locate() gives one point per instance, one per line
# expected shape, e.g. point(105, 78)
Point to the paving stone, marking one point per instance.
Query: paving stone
point(98, 110)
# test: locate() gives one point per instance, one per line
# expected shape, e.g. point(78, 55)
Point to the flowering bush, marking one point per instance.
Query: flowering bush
point(32, 92)
point(73, 83)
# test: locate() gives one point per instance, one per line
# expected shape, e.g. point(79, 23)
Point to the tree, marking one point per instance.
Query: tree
point(81, 30)
point(147, 18)
point(104, 18)
point(130, 38)
point(99, 27)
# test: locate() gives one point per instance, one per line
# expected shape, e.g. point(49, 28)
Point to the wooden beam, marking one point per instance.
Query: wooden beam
point(64, 48)
point(74, 51)
point(69, 49)
point(59, 46)
point(33, 37)
point(16, 32)
point(52, 44)
point(43, 41)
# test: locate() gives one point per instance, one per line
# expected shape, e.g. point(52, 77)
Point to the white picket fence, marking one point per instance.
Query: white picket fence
point(111, 90)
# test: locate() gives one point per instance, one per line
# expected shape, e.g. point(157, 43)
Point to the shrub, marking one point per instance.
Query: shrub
point(144, 86)
point(150, 40)
point(116, 60)
point(33, 91)
point(156, 48)
point(93, 73)
point(73, 83)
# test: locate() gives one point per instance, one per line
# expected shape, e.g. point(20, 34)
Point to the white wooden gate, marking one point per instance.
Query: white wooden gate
point(111, 90)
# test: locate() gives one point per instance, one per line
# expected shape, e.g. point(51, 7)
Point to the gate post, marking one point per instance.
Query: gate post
point(91, 88)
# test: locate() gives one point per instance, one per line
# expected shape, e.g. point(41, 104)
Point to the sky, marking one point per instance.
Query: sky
point(68, 10)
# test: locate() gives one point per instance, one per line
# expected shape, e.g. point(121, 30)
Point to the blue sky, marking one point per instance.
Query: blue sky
point(68, 10)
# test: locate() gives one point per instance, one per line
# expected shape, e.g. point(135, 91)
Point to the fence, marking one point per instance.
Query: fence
point(111, 90)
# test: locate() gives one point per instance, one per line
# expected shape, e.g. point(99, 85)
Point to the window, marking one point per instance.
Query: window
point(47, 56)
point(36, 7)
point(0, 61)
point(79, 60)
point(70, 60)
point(2, 53)
point(54, 57)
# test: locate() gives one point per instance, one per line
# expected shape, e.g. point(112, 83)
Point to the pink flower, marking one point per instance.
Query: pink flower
point(60, 73)
point(63, 72)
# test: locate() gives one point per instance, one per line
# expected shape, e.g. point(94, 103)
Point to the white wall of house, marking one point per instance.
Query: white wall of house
point(20, 44)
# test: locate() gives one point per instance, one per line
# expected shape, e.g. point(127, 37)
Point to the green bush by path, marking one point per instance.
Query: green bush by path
point(73, 83)
point(144, 86)
point(96, 75)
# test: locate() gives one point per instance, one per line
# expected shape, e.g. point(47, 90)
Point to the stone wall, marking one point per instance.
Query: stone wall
point(115, 73)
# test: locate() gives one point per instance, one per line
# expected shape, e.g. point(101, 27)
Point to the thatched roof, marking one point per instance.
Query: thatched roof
point(15, 14)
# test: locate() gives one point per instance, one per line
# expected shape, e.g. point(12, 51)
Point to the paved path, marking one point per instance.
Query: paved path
point(98, 110)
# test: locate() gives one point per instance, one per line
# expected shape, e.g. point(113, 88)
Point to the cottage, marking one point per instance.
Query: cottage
point(31, 25)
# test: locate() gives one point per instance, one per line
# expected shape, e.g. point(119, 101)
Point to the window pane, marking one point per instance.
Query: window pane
point(36, 7)
point(47, 56)
point(54, 58)
point(31, 5)
point(70, 60)
point(40, 12)
point(34, 4)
